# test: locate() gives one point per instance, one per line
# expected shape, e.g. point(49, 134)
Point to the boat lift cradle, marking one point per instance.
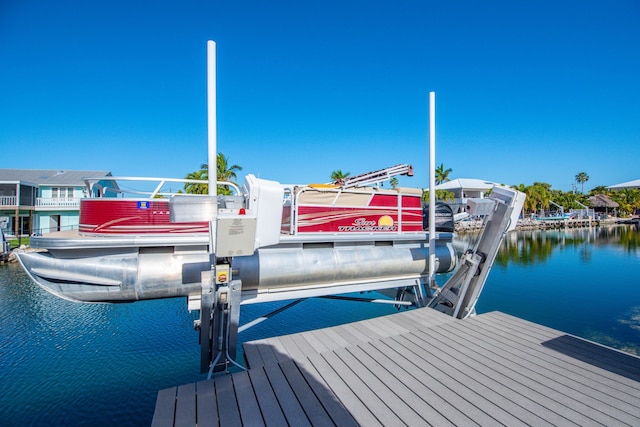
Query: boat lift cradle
point(252, 260)
point(235, 237)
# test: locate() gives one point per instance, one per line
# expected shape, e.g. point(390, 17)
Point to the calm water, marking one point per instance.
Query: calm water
point(585, 282)
point(95, 364)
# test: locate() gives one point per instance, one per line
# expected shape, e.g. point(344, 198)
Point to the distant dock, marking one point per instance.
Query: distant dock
point(418, 367)
point(548, 224)
point(5, 248)
point(5, 256)
point(551, 224)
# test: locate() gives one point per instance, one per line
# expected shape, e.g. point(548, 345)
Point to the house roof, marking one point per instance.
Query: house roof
point(50, 176)
point(467, 184)
point(629, 184)
point(602, 201)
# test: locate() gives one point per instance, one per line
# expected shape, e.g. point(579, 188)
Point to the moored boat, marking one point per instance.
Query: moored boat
point(313, 240)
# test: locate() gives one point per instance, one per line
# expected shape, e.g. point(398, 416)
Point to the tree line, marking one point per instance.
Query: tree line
point(540, 195)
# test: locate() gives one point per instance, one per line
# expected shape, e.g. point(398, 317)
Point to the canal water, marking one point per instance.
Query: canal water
point(70, 364)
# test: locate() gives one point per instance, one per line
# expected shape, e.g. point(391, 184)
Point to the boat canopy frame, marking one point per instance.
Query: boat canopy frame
point(158, 182)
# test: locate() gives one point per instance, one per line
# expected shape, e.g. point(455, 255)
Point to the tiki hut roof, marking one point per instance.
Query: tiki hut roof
point(602, 201)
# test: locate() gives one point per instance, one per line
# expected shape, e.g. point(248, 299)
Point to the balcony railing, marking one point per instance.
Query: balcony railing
point(7, 200)
point(62, 202)
point(44, 202)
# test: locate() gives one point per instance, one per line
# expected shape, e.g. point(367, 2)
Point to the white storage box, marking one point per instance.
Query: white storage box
point(193, 208)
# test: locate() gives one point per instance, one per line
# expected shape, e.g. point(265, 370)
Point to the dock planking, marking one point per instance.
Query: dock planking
point(417, 367)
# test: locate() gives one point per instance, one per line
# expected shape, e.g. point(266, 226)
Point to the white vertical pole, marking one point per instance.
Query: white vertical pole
point(212, 139)
point(211, 116)
point(432, 186)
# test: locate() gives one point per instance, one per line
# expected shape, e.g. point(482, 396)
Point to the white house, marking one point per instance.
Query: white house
point(41, 201)
point(464, 188)
point(629, 184)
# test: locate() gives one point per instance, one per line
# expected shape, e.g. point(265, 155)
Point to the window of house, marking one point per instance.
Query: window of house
point(62, 192)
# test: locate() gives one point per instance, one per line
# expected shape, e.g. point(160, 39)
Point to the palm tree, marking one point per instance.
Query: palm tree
point(394, 182)
point(627, 198)
point(441, 195)
point(527, 201)
point(338, 176)
point(200, 175)
point(224, 173)
point(600, 189)
point(442, 174)
point(538, 196)
point(581, 178)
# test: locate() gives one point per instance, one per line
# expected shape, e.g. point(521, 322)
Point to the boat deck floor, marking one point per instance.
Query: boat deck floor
point(418, 367)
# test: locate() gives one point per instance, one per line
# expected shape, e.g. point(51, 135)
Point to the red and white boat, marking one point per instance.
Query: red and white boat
point(310, 240)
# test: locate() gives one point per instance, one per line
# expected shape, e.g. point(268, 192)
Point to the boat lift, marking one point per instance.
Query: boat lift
point(235, 236)
point(558, 206)
point(238, 233)
point(500, 211)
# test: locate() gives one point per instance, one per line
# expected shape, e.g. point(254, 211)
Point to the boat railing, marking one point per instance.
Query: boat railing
point(41, 231)
point(287, 225)
point(337, 197)
point(583, 213)
point(146, 187)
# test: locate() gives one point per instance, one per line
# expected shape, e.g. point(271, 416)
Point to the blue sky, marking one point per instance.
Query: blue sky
point(525, 91)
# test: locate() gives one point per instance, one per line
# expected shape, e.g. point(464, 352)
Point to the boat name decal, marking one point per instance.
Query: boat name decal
point(385, 223)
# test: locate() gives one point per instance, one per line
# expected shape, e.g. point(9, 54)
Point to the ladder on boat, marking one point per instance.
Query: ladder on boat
point(375, 177)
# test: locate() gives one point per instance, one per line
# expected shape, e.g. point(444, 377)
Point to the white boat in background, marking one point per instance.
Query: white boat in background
point(560, 217)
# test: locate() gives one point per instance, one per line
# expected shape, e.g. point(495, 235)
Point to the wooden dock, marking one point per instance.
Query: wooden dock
point(414, 368)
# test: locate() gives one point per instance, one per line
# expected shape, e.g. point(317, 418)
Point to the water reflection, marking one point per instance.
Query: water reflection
point(630, 240)
point(529, 248)
point(580, 281)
